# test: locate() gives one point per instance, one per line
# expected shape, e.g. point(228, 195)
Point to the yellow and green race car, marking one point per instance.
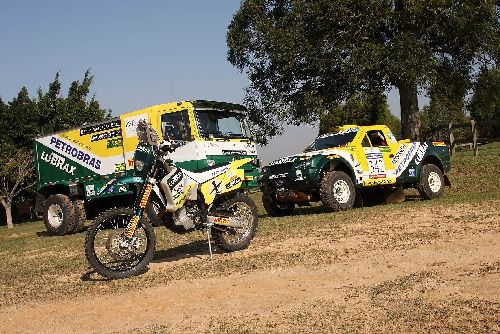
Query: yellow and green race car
point(340, 166)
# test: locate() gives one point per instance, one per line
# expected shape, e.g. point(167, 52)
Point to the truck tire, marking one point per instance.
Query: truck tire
point(276, 209)
point(59, 215)
point(431, 183)
point(337, 191)
point(80, 215)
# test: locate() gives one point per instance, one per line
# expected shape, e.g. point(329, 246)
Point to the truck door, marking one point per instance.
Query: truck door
point(378, 153)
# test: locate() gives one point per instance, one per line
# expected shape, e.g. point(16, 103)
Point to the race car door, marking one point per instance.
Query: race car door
point(377, 152)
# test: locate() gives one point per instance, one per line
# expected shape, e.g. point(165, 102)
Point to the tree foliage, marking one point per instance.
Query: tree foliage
point(447, 93)
point(306, 57)
point(25, 118)
point(485, 103)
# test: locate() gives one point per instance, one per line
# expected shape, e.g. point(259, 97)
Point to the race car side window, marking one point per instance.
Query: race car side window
point(377, 138)
point(366, 142)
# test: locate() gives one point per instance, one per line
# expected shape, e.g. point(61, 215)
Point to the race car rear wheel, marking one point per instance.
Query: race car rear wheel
point(337, 191)
point(275, 208)
point(431, 183)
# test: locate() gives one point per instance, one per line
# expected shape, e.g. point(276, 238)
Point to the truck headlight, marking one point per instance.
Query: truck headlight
point(139, 165)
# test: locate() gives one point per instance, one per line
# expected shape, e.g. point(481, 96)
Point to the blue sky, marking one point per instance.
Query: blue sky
point(140, 53)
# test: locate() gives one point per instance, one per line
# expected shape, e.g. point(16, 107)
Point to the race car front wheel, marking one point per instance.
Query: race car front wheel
point(337, 191)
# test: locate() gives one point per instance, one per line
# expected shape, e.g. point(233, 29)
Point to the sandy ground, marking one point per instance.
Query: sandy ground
point(434, 271)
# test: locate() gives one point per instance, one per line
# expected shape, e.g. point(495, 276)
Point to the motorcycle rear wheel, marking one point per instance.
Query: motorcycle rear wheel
point(105, 248)
point(232, 239)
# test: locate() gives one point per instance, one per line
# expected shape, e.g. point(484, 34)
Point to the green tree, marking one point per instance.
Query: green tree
point(305, 57)
point(24, 118)
point(485, 103)
point(447, 93)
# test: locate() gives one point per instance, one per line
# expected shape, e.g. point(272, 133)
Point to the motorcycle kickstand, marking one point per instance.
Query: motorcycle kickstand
point(209, 237)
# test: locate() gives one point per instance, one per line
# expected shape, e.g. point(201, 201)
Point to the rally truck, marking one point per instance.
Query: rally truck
point(77, 168)
point(344, 166)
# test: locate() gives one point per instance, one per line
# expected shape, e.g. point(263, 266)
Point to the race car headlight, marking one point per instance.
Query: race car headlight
point(139, 165)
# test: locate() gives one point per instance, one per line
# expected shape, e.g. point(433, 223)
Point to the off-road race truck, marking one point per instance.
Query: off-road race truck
point(347, 165)
point(76, 168)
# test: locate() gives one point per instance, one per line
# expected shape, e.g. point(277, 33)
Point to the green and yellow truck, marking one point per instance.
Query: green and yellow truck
point(76, 168)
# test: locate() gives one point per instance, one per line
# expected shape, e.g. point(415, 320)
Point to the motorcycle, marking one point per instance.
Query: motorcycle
point(121, 241)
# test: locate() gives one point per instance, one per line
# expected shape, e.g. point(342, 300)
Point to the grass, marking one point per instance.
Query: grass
point(35, 265)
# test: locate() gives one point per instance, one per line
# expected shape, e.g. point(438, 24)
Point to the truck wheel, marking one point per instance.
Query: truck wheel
point(275, 208)
point(431, 183)
point(80, 215)
point(59, 214)
point(337, 191)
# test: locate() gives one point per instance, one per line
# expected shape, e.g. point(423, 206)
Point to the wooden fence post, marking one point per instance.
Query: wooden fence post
point(475, 132)
point(452, 139)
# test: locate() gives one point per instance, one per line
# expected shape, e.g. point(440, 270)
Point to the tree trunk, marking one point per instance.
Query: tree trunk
point(8, 213)
point(410, 116)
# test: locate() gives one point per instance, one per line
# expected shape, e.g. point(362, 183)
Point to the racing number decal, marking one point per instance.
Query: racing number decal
point(376, 165)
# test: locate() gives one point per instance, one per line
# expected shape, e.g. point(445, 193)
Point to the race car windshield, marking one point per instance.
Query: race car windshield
point(221, 124)
point(331, 140)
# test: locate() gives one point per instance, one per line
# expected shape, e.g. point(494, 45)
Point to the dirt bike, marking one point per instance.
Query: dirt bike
point(121, 241)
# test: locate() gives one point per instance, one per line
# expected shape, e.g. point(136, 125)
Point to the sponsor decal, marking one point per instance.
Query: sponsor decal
point(376, 182)
point(277, 176)
point(75, 153)
point(385, 149)
point(236, 180)
point(90, 190)
point(421, 153)
point(399, 153)
point(234, 152)
point(391, 137)
point(106, 135)
point(221, 220)
point(408, 156)
point(109, 187)
point(112, 143)
point(174, 179)
point(119, 167)
point(77, 142)
point(282, 161)
point(58, 161)
point(85, 130)
point(131, 124)
point(130, 162)
point(122, 188)
point(411, 172)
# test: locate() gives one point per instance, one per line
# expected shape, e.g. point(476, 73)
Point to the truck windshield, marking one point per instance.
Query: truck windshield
point(331, 140)
point(221, 123)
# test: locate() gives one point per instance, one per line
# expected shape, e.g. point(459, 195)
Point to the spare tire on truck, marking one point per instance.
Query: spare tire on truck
point(59, 214)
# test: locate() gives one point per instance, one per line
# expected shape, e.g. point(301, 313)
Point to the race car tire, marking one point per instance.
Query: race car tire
point(276, 209)
point(431, 183)
point(337, 191)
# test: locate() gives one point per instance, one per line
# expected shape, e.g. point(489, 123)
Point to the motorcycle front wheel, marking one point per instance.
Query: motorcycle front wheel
point(243, 208)
point(110, 253)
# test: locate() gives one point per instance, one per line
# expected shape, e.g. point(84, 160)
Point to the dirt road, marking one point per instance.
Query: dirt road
point(413, 270)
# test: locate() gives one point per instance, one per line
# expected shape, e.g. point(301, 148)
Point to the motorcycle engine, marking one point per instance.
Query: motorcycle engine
point(186, 216)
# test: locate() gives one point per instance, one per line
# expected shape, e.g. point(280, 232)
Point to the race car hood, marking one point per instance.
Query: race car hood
point(289, 163)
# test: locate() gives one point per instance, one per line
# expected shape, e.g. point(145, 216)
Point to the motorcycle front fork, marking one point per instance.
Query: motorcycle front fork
point(139, 206)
